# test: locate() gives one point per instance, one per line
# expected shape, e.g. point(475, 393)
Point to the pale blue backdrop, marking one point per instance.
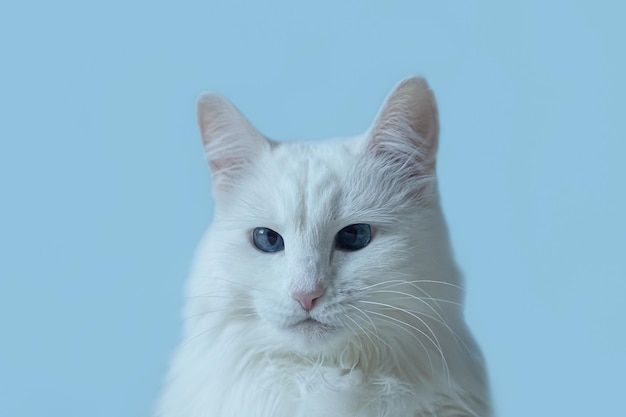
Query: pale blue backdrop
point(104, 192)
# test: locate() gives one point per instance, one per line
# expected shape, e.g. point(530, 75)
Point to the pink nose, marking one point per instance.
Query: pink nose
point(307, 299)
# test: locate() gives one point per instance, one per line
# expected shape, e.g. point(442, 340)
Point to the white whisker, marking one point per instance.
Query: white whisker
point(434, 340)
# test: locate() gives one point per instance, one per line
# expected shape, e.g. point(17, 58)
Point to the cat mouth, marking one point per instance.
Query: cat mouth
point(310, 324)
point(307, 322)
point(310, 333)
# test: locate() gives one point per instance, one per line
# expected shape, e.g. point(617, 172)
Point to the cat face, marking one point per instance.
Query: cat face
point(328, 242)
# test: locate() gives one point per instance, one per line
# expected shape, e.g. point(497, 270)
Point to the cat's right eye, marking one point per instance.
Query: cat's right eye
point(267, 240)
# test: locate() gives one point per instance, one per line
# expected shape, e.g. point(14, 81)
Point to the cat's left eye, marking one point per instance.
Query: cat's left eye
point(354, 237)
point(267, 240)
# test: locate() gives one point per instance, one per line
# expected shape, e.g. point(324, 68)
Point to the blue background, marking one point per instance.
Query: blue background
point(105, 192)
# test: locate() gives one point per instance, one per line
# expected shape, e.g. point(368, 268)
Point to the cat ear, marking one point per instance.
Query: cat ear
point(230, 141)
point(406, 130)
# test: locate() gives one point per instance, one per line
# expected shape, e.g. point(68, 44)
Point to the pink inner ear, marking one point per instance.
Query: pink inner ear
point(225, 171)
point(218, 165)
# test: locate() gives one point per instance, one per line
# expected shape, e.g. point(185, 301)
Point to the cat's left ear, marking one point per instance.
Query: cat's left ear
point(230, 142)
point(407, 128)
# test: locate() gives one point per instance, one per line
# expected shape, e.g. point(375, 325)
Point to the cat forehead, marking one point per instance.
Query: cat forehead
point(301, 185)
point(312, 164)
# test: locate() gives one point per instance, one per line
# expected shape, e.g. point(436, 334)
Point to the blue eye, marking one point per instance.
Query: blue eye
point(354, 237)
point(267, 240)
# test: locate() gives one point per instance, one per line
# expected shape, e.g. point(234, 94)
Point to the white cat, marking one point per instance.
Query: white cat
point(326, 285)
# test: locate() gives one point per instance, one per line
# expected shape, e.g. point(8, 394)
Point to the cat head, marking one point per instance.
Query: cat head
point(325, 243)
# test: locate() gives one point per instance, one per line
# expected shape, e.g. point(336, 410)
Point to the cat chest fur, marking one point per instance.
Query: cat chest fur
point(265, 384)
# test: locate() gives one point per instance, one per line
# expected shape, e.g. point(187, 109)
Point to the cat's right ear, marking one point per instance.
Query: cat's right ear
point(230, 141)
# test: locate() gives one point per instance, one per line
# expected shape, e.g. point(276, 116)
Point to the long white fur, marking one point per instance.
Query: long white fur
point(397, 346)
